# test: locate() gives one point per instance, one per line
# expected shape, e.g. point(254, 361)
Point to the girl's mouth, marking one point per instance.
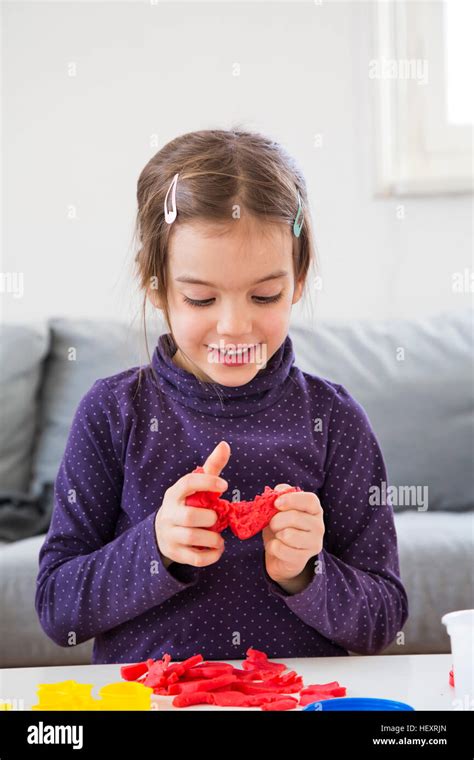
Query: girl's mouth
point(234, 356)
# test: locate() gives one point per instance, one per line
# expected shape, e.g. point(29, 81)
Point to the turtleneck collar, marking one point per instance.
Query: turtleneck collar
point(268, 385)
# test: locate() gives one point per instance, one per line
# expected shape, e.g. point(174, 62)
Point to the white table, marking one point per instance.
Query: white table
point(420, 680)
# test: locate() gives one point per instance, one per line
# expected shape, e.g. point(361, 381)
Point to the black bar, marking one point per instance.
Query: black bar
point(221, 731)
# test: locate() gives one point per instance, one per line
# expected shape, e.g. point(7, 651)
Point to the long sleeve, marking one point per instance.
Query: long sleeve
point(91, 580)
point(355, 598)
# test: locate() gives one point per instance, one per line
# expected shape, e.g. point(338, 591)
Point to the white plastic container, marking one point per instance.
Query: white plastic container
point(460, 626)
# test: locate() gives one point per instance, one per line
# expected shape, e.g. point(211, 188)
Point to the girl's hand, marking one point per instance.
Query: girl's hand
point(179, 529)
point(294, 535)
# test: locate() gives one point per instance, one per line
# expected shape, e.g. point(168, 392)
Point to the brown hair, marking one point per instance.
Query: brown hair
point(218, 169)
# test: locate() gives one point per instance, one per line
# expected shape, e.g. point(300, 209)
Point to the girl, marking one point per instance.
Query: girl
point(226, 245)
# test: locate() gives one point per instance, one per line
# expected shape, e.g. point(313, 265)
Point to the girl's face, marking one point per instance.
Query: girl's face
point(242, 301)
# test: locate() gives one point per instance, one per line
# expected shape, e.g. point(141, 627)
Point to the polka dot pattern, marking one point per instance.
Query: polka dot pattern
point(133, 435)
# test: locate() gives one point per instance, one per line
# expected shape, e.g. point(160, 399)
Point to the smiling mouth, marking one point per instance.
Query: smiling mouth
point(234, 351)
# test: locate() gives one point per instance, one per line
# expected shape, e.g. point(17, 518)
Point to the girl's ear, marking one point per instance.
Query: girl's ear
point(154, 298)
point(298, 291)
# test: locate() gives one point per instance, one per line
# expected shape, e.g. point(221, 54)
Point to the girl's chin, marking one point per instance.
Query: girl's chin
point(231, 375)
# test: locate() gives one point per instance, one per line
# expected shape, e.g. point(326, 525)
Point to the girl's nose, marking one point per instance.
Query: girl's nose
point(233, 321)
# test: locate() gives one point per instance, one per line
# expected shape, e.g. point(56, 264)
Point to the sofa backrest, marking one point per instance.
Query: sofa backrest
point(81, 351)
point(23, 350)
point(415, 380)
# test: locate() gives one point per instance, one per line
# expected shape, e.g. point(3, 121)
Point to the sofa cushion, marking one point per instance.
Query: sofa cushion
point(23, 641)
point(435, 553)
point(81, 352)
point(22, 351)
point(415, 380)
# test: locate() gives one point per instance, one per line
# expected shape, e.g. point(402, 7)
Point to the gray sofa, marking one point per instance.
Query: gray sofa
point(413, 377)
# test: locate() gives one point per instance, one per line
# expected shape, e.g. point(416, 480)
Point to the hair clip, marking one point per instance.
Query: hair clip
point(297, 227)
point(170, 216)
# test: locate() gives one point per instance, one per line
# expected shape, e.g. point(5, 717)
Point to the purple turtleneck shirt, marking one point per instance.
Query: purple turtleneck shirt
point(101, 572)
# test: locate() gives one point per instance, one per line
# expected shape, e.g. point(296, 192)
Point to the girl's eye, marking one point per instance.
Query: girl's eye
point(258, 299)
point(192, 302)
point(267, 299)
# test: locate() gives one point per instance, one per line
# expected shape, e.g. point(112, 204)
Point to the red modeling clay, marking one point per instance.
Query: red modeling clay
point(208, 684)
point(257, 700)
point(244, 518)
point(283, 704)
point(198, 698)
point(326, 688)
point(209, 671)
point(229, 699)
point(260, 682)
point(133, 672)
point(451, 677)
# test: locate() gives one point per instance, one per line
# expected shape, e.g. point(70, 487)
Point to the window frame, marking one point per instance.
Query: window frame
point(417, 151)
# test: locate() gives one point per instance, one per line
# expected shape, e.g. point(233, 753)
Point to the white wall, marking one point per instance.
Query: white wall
point(147, 70)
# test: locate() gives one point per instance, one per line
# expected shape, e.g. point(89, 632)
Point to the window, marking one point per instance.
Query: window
point(423, 105)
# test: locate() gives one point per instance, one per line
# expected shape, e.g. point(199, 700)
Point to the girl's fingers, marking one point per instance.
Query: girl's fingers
point(282, 551)
point(198, 537)
point(296, 539)
point(198, 481)
point(194, 517)
point(267, 535)
point(197, 557)
point(306, 501)
point(293, 518)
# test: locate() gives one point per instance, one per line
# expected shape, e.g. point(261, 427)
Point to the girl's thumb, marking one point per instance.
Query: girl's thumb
point(217, 459)
point(281, 486)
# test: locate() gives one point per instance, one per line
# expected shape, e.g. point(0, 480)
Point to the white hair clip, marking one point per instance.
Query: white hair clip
point(170, 216)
